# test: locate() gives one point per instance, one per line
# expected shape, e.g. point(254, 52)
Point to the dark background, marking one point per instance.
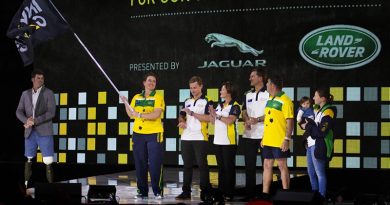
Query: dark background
point(116, 40)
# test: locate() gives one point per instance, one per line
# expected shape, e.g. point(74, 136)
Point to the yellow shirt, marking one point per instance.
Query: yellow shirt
point(279, 108)
point(147, 105)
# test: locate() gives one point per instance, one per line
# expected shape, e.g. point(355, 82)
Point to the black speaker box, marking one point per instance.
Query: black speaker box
point(58, 193)
point(101, 193)
point(283, 197)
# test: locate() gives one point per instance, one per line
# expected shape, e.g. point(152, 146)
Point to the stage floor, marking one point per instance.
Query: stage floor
point(126, 187)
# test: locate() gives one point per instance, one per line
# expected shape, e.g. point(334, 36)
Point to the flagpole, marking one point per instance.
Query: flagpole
point(90, 55)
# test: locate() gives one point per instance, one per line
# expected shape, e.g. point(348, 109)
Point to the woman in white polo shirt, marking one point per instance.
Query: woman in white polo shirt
point(225, 118)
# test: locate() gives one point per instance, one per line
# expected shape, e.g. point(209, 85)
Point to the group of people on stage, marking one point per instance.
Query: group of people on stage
point(268, 117)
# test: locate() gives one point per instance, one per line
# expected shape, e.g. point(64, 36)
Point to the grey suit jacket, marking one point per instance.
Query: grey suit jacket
point(45, 111)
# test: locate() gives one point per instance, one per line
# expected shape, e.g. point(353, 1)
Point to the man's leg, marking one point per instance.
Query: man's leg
point(250, 147)
point(267, 174)
point(49, 168)
point(187, 153)
point(30, 151)
point(27, 170)
point(285, 175)
point(46, 145)
point(200, 148)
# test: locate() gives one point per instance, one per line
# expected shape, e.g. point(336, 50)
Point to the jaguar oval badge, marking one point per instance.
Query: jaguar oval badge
point(339, 47)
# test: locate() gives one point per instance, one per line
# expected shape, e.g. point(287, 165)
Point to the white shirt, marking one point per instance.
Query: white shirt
point(226, 134)
point(35, 95)
point(196, 130)
point(254, 105)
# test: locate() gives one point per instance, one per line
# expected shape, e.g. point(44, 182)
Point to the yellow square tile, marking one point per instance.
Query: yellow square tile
point(91, 128)
point(241, 128)
point(122, 158)
point(91, 143)
point(101, 128)
point(92, 113)
point(133, 183)
point(102, 97)
point(301, 161)
point(63, 129)
point(211, 128)
point(160, 92)
point(299, 130)
point(63, 98)
point(123, 128)
point(338, 93)
point(385, 162)
point(385, 93)
point(131, 143)
point(336, 162)
point(213, 94)
point(39, 157)
point(385, 129)
point(62, 157)
point(353, 146)
point(274, 177)
point(275, 164)
point(211, 160)
point(338, 146)
point(123, 177)
point(180, 131)
point(91, 180)
point(214, 178)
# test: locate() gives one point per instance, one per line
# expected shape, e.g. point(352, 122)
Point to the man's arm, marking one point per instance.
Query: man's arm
point(286, 142)
point(290, 127)
point(51, 109)
point(20, 111)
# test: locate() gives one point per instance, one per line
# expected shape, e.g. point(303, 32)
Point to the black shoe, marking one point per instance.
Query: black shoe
point(184, 196)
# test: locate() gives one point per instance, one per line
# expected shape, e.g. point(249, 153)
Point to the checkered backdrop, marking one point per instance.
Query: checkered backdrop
point(129, 38)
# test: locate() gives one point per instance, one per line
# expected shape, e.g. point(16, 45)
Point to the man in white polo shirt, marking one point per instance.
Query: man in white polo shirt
point(194, 120)
point(253, 108)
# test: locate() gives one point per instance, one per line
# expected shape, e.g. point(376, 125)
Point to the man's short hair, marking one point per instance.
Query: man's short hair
point(277, 80)
point(197, 79)
point(37, 72)
point(261, 73)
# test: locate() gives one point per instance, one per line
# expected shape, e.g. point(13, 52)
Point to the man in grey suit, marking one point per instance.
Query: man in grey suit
point(36, 110)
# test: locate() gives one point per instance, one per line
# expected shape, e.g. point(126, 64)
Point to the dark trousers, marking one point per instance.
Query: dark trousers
point(250, 148)
point(226, 158)
point(191, 151)
point(148, 154)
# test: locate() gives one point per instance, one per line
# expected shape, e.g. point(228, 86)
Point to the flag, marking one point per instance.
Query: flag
point(35, 22)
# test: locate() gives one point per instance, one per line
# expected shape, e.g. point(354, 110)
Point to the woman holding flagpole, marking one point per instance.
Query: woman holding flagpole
point(146, 109)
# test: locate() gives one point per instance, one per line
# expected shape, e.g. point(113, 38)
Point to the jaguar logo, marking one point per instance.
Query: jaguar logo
point(221, 40)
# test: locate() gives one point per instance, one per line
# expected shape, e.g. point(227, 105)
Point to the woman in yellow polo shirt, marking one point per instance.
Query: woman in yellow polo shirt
point(147, 107)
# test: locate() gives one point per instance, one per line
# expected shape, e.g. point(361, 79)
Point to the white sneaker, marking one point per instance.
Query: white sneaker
point(158, 197)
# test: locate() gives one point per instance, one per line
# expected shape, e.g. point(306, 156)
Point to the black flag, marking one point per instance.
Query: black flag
point(35, 22)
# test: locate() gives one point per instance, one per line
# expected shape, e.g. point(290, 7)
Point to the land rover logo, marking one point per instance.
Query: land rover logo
point(339, 47)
